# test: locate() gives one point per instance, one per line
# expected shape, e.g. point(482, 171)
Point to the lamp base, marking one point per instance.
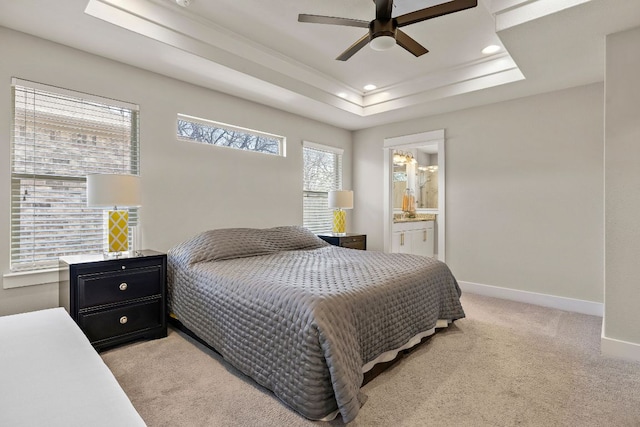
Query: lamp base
point(339, 222)
point(117, 229)
point(115, 255)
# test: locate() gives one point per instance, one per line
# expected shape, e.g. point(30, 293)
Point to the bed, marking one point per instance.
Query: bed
point(303, 318)
point(50, 375)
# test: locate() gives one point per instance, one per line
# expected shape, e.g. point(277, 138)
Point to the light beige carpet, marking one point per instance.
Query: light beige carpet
point(506, 364)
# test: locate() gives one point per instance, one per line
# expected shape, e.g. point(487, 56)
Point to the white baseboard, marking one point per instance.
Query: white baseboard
point(611, 347)
point(545, 300)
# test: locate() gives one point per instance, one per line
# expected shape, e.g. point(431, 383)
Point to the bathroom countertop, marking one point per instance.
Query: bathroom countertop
point(418, 217)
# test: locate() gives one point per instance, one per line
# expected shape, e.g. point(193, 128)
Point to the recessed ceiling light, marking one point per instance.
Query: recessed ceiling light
point(370, 87)
point(342, 95)
point(183, 3)
point(491, 49)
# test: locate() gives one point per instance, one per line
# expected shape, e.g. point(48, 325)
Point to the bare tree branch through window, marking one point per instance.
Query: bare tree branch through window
point(213, 133)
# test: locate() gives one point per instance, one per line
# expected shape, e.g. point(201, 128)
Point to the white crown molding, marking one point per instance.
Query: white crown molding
point(192, 34)
point(209, 41)
point(511, 13)
point(496, 6)
point(463, 72)
point(446, 82)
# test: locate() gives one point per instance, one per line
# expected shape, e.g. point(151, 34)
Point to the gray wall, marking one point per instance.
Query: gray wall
point(622, 186)
point(524, 184)
point(524, 177)
point(186, 188)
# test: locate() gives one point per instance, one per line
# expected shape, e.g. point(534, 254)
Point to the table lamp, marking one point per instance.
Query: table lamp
point(114, 191)
point(340, 200)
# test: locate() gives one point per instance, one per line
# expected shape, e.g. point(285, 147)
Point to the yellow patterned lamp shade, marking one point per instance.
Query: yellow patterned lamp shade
point(113, 190)
point(340, 200)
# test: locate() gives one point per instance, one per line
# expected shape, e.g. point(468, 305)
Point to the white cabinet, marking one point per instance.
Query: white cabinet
point(415, 237)
point(401, 242)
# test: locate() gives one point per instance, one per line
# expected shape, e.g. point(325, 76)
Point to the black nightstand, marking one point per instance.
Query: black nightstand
point(116, 300)
point(350, 240)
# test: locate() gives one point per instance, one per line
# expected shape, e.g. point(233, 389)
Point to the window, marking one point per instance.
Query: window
point(193, 129)
point(322, 173)
point(59, 137)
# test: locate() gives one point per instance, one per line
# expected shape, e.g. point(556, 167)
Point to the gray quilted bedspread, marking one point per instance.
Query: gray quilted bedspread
point(302, 317)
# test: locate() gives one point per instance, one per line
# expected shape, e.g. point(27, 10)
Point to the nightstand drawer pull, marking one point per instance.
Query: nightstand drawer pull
point(123, 320)
point(123, 286)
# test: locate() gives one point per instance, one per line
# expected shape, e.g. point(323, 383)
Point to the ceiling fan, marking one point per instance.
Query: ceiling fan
point(384, 31)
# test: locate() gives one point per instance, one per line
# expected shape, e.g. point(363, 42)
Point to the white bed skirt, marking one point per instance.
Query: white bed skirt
point(388, 356)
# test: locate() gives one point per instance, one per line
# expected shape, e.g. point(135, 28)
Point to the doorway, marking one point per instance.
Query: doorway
point(426, 142)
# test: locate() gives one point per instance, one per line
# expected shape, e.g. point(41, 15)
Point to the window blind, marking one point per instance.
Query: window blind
point(58, 137)
point(322, 173)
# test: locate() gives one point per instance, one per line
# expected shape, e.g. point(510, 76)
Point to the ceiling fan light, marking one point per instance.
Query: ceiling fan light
point(382, 43)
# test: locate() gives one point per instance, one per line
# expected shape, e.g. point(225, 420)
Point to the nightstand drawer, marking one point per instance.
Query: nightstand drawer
point(108, 288)
point(358, 244)
point(120, 321)
point(355, 242)
point(351, 241)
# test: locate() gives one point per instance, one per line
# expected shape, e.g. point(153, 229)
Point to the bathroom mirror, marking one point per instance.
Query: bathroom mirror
point(424, 184)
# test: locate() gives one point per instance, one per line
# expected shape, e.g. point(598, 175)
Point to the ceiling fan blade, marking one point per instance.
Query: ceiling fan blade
point(435, 11)
point(410, 44)
point(319, 19)
point(383, 9)
point(362, 42)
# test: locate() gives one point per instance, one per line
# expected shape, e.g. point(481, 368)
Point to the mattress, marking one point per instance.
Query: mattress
point(50, 375)
point(301, 317)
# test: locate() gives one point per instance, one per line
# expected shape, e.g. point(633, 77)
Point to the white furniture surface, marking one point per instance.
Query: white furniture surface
point(413, 237)
point(50, 375)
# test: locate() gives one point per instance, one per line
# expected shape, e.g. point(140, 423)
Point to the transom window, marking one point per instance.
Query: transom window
point(322, 173)
point(58, 138)
point(194, 129)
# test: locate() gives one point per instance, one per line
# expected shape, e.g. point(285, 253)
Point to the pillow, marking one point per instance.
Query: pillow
point(230, 243)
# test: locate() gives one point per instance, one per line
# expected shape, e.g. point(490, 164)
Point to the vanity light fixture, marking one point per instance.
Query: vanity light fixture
point(399, 159)
point(402, 158)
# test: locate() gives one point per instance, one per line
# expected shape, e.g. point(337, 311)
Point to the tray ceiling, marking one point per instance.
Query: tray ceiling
point(259, 51)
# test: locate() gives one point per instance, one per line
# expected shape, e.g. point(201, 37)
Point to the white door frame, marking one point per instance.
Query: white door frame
point(415, 140)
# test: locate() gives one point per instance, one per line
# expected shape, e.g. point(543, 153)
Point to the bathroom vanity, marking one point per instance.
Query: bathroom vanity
point(414, 235)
